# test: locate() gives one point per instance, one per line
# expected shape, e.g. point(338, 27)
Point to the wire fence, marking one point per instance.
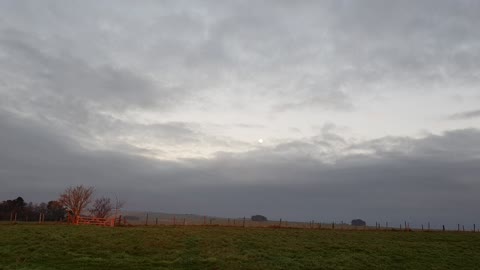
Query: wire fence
point(155, 219)
point(149, 219)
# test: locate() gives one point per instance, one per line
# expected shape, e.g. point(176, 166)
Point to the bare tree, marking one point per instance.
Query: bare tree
point(118, 205)
point(76, 199)
point(103, 207)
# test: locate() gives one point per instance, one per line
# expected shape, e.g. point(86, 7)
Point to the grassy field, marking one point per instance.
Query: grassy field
point(196, 247)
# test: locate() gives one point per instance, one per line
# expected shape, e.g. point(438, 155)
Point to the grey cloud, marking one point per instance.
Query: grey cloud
point(243, 125)
point(465, 115)
point(168, 132)
point(195, 46)
point(363, 46)
point(34, 154)
point(184, 136)
point(435, 180)
point(65, 77)
point(377, 40)
point(78, 98)
point(327, 100)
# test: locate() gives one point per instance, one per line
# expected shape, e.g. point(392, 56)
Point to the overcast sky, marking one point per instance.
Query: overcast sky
point(324, 110)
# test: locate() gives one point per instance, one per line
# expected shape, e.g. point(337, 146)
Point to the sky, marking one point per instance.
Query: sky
point(301, 110)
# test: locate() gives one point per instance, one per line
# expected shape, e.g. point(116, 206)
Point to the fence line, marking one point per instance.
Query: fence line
point(193, 220)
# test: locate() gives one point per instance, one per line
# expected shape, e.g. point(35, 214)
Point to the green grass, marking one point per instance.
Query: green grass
point(88, 247)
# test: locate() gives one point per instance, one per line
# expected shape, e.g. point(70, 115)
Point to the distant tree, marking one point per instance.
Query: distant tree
point(9, 208)
point(76, 199)
point(42, 208)
point(55, 211)
point(52, 210)
point(119, 204)
point(259, 218)
point(19, 204)
point(30, 211)
point(358, 222)
point(102, 207)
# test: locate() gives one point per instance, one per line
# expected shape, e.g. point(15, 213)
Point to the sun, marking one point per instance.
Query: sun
point(260, 140)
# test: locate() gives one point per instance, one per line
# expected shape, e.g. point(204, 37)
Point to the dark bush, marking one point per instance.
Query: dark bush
point(259, 218)
point(358, 222)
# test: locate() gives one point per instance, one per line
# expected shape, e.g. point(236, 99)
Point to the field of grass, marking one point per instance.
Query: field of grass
point(197, 247)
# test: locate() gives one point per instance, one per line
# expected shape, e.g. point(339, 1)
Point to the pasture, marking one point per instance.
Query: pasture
point(50, 246)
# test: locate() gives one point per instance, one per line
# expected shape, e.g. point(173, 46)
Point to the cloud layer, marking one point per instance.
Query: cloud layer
point(389, 179)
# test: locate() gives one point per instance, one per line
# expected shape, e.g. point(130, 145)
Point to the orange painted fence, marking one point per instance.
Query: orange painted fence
point(95, 221)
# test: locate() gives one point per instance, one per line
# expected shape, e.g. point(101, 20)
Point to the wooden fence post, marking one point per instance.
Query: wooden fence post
point(458, 227)
point(333, 225)
point(146, 220)
point(473, 227)
point(280, 223)
point(443, 227)
point(422, 227)
point(156, 221)
point(244, 222)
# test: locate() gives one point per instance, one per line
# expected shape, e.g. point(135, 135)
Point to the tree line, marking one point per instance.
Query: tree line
point(73, 202)
point(18, 209)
